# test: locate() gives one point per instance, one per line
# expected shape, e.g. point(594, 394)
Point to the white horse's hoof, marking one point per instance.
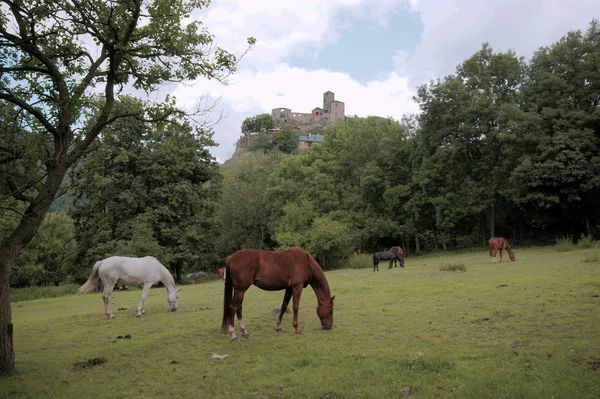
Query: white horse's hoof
point(234, 337)
point(112, 316)
point(277, 328)
point(139, 315)
point(246, 334)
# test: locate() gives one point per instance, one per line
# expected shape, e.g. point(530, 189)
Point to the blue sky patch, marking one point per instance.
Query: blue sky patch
point(364, 49)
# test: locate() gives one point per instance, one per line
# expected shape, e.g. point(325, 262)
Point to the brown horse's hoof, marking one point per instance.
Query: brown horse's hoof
point(246, 334)
point(277, 328)
point(112, 316)
point(298, 331)
point(234, 338)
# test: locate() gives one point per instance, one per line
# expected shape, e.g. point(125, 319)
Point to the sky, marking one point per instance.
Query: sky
point(373, 54)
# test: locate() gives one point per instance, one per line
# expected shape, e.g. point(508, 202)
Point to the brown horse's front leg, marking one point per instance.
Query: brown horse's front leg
point(297, 291)
point(286, 300)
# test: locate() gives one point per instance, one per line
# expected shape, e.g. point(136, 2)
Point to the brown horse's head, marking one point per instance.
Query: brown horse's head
point(511, 255)
point(325, 313)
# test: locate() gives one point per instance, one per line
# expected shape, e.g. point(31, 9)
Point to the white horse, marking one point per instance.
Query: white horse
point(132, 271)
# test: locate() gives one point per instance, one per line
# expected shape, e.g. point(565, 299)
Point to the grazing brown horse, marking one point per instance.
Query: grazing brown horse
point(290, 270)
point(222, 274)
point(395, 253)
point(499, 244)
point(400, 255)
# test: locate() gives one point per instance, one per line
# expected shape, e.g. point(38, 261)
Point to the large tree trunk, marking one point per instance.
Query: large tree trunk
point(482, 237)
point(178, 268)
point(493, 219)
point(417, 244)
point(11, 248)
point(7, 351)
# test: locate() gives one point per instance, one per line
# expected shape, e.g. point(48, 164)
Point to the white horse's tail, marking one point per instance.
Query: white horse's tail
point(91, 281)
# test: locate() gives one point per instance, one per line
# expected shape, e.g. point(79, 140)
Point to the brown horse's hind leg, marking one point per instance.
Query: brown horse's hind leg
point(245, 332)
point(286, 300)
point(297, 291)
point(236, 302)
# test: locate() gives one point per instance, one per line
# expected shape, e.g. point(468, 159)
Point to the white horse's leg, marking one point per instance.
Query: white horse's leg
point(140, 308)
point(108, 289)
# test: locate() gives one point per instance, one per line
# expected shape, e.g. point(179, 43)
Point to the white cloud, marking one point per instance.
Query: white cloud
point(301, 90)
point(452, 31)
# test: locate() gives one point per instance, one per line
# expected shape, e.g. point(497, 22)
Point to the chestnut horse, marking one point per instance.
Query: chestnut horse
point(395, 253)
point(222, 274)
point(290, 270)
point(499, 244)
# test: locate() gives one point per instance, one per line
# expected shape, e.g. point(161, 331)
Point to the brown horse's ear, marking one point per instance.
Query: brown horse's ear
point(332, 298)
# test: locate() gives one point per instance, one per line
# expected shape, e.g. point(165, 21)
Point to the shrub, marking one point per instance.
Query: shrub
point(593, 258)
point(564, 244)
point(586, 242)
point(358, 261)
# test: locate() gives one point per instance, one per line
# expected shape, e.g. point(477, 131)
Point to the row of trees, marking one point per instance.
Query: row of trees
point(501, 147)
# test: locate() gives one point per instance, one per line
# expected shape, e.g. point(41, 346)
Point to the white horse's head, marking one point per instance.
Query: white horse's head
point(172, 297)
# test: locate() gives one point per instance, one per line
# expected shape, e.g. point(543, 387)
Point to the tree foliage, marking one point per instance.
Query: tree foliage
point(258, 124)
point(148, 190)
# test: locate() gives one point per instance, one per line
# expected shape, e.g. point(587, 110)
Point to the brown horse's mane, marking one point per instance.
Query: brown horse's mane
point(318, 276)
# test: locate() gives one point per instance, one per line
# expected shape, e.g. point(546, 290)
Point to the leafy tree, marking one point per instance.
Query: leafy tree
point(243, 212)
point(149, 190)
point(559, 175)
point(258, 124)
point(464, 133)
point(50, 257)
point(285, 140)
point(56, 57)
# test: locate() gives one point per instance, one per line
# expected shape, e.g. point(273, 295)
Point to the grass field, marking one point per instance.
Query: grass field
point(529, 329)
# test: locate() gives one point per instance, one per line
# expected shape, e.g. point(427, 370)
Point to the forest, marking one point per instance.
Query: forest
point(504, 146)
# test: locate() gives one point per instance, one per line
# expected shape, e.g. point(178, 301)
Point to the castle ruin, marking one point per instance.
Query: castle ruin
point(330, 114)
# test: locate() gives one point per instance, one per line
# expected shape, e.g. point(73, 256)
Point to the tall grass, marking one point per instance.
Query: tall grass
point(586, 242)
point(359, 261)
point(593, 258)
point(453, 267)
point(564, 244)
point(29, 293)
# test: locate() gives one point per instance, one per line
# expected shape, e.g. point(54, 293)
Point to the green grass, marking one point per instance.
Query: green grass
point(453, 267)
point(527, 329)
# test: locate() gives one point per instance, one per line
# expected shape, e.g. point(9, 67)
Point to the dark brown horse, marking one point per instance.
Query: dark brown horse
point(290, 270)
point(499, 244)
point(394, 254)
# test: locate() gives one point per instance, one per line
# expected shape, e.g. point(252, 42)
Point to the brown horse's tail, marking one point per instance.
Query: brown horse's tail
point(91, 281)
point(227, 294)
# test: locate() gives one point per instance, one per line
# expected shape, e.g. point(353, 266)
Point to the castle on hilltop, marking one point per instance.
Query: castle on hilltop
point(330, 114)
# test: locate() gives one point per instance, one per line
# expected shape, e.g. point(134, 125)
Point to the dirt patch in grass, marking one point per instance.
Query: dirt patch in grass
point(78, 366)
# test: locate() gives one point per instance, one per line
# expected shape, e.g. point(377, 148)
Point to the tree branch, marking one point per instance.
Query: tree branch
point(33, 111)
point(17, 192)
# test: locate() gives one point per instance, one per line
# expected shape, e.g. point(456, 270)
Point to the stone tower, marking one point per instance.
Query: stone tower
point(328, 98)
